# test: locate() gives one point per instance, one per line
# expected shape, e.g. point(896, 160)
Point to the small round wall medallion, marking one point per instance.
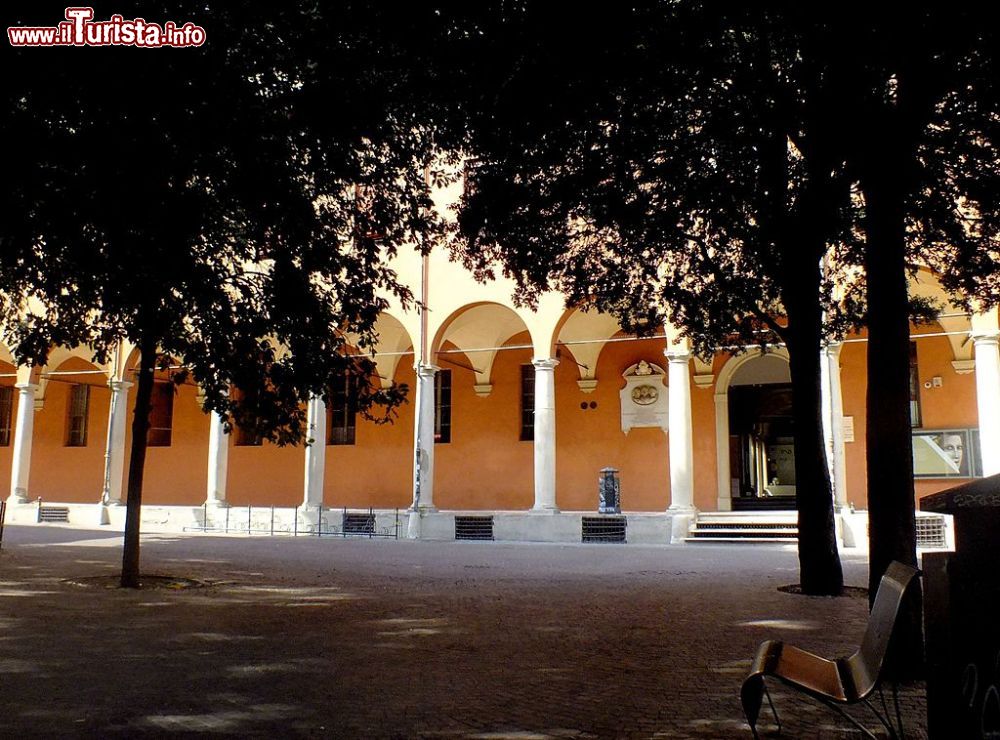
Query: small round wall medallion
point(645, 395)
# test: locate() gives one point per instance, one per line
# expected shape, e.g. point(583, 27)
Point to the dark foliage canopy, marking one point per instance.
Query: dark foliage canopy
point(236, 203)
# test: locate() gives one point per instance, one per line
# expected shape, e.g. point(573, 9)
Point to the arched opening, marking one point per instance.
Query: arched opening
point(757, 432)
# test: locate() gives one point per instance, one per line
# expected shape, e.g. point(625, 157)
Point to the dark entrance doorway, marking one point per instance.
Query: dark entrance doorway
point(761, 446)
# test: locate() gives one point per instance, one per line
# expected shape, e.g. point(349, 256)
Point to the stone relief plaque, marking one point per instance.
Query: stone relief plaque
point(644, 397)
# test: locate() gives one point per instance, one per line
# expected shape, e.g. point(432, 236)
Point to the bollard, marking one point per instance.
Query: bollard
point(609, 492)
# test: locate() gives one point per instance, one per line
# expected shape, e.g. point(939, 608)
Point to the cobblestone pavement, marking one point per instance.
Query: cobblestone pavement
point(361, 638)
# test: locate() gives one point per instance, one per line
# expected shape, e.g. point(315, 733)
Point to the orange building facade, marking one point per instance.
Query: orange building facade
point(525, 407)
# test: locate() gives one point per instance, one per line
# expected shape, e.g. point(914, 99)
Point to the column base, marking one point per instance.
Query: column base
point(214, 503)
point(19, 496)
point(424, 509)
point(680, 523)
point(545, 509)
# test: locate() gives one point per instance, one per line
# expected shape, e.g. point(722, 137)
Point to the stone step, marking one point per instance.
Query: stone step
point(747, 540)
point(748, 531)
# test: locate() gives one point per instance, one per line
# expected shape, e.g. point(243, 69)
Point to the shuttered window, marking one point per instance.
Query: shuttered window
point(77, 411)
point(161, 415)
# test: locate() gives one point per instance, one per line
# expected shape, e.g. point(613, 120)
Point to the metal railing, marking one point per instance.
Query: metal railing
point(314, 522)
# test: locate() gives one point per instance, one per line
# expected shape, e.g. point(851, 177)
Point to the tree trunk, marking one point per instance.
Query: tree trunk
point(137, 462)
point(892, 522)
point(819, 560)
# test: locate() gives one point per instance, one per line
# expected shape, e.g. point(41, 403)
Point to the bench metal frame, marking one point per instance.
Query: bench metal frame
point(843, 681)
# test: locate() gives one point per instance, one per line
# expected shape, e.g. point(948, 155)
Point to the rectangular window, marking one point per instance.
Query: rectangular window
point(76, 415)
point(914, 388)
point(342, 411)
point(6, 411)
point(161, 415)
point(442, 406)
point(527, 402)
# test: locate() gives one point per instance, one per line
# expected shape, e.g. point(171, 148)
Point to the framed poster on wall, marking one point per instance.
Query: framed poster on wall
point(946, 453)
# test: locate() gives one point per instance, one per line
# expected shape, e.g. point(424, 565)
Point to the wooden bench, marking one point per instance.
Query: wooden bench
point(842, 681)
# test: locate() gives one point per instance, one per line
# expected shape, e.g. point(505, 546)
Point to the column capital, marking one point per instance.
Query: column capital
point(985, 337)
point(677, 355)
point(117, 384)
point(26, 387)
point(832, 348)
point(426, 369)
point(545, 364)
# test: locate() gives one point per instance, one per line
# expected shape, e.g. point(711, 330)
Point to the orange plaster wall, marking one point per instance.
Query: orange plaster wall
point(176, 474)
point(486, 465)
point(7, 452)
point(706, 493)
point(853, 385)
point(952, 405)
point(591, 439)
point(58, 472)
point(378, 469)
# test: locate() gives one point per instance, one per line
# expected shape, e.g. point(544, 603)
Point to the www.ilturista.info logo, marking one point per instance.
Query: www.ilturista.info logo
point(79, 29)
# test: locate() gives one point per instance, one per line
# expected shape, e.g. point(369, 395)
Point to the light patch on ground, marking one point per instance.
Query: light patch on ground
point(107, 542)
point(257, 669)
point(218, 721)
point(23, 592)
point(12, 665)
point(217, 637)
point(799, 625)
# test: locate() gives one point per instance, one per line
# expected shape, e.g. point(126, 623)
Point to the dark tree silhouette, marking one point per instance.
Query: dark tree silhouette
point(203, 203)
point(659, 165)
point(734, 147)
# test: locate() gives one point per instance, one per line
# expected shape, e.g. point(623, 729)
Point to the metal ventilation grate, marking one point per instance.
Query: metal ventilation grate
point(473, 527)
point(359, 522)
point(53, 514)
point(931, 531)
point(603, 528)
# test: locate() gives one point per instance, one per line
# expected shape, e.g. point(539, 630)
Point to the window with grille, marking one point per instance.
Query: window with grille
point(442, 406)
point(76, 415)
point(341, 413)
point(527, 402)
point(914, 388)
point(161, 414)
point(6, 411)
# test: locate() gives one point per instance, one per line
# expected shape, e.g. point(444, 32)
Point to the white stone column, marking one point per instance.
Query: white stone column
point(423, 439)
point(988, 399)
point(545, 435)
point(114, 452)
point(680, 437)
point(680, 441)
point(218, 461)
point(315, 453)
point(21, 463)
point(833, 421)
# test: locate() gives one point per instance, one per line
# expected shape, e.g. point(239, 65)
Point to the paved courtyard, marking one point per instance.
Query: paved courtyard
point(370, 638)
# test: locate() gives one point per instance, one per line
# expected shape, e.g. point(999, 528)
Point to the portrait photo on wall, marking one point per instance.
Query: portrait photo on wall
point(946, 453)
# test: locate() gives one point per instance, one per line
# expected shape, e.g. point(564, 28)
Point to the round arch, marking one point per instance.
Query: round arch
point(394, 343)
point(730, 372)
point(480, 330)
